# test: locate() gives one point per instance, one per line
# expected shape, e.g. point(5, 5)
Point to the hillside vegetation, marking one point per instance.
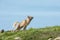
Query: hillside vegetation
point(32, 34)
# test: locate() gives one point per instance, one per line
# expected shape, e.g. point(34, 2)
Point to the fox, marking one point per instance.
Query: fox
point(23, 24)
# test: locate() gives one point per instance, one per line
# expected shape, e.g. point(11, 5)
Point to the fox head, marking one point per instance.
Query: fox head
point(30, 17)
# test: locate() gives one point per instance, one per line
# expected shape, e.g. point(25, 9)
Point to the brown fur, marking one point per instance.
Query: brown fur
point(23, 24)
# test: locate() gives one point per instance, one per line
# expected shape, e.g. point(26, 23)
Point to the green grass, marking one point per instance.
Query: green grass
point(33, 34)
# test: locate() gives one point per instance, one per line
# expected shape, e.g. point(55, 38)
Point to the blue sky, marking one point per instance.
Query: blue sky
point(45, 12)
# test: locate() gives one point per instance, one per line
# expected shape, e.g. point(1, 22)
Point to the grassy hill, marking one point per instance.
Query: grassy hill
point(32, 34)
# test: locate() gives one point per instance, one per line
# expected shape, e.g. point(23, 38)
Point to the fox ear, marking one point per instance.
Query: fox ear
point(27, 16)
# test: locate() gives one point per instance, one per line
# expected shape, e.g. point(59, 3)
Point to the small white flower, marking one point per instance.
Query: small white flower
point(57, 38)
point(50, 39)
point(17, 38)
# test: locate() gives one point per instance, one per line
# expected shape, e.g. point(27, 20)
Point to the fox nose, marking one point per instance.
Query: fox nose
point(32, 17)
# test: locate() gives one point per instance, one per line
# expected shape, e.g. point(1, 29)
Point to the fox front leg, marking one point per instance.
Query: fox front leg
point(24, 28)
